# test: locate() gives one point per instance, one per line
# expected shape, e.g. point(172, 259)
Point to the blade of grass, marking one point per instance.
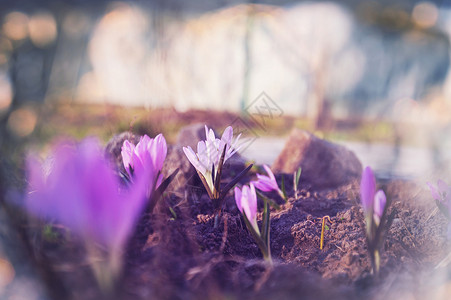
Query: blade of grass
point(217, 183)
point(298, 176)
point(156, 195)
point(255, 235)
point(284, 192)
point(234, 181)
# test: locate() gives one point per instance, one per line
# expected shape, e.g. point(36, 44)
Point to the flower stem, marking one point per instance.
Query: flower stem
point(267, 256)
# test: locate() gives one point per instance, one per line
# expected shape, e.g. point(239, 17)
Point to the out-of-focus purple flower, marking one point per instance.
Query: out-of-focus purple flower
point(367, 189)
point(266, 183)
point(246, 201)
point(82, 192)
point(373, 202)
point(145, 159)
point(209, 152)
point(379, 204)
point(441, 193)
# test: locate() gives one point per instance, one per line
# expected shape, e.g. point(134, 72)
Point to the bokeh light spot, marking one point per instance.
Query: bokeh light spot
point(22, 121)
point(425, 14)
point(6, 93)
point(15, 25)
point(42, 29)
point(7, 273)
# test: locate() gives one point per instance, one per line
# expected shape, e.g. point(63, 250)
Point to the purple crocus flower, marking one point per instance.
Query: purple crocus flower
point(246, 201)
point(266, 183)
point(441, 193)
point(81, 192)
point(145, 159)
point(373, 202)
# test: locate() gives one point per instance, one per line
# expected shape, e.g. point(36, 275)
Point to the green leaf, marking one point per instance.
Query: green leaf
point(264, 230)
point(326, 227)
point(234, 181)
point(173, 213)
point(266, 227)
point(298, 176)
point(156, 195)
point(255, 234)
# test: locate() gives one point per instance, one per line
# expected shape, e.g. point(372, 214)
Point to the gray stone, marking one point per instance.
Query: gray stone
point(190, 135)
point(324, 164)
point(177, 159)
point(114, 147)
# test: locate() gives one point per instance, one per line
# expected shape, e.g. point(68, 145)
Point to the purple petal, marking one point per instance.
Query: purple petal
point(83, 193)
point(203, 157)
point(264, 184)
point(193, 159)
point(434, 192)
point(269, 172)
point(209, 134)
point(379, 203)
point(246, 201)
point(367, 189)
point(158, 151)
point(238, 199)
point(227, 136)
point(253, 202)
point(127, 152)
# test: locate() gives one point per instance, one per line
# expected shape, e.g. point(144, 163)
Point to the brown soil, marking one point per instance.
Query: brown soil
point(186, 258)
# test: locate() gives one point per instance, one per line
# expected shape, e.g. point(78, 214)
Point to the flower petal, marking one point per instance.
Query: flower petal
point(227, 135)
point(193, 159)
point(127, 153)
point(367, 189)
point(265, 183)
point(269, 172)
point(158, 151)
point(379, 203)
point(238, 199)
point(253, 203)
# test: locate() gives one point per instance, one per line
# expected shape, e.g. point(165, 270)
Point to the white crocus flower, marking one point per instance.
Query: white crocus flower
point(209, 153)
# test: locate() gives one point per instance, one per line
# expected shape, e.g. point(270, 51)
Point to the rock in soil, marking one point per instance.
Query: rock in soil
point(324, 164)
point(114, 147)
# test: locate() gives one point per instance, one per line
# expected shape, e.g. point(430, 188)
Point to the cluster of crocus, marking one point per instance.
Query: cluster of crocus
point(375, 206)
point(82, 192)
point(209, 161)
point(442, 197)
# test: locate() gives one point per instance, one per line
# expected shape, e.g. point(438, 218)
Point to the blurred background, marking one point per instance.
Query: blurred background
point(372, 75)
point(375, 71)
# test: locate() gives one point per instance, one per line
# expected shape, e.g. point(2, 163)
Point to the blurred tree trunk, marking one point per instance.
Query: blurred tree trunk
point(247, 54)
